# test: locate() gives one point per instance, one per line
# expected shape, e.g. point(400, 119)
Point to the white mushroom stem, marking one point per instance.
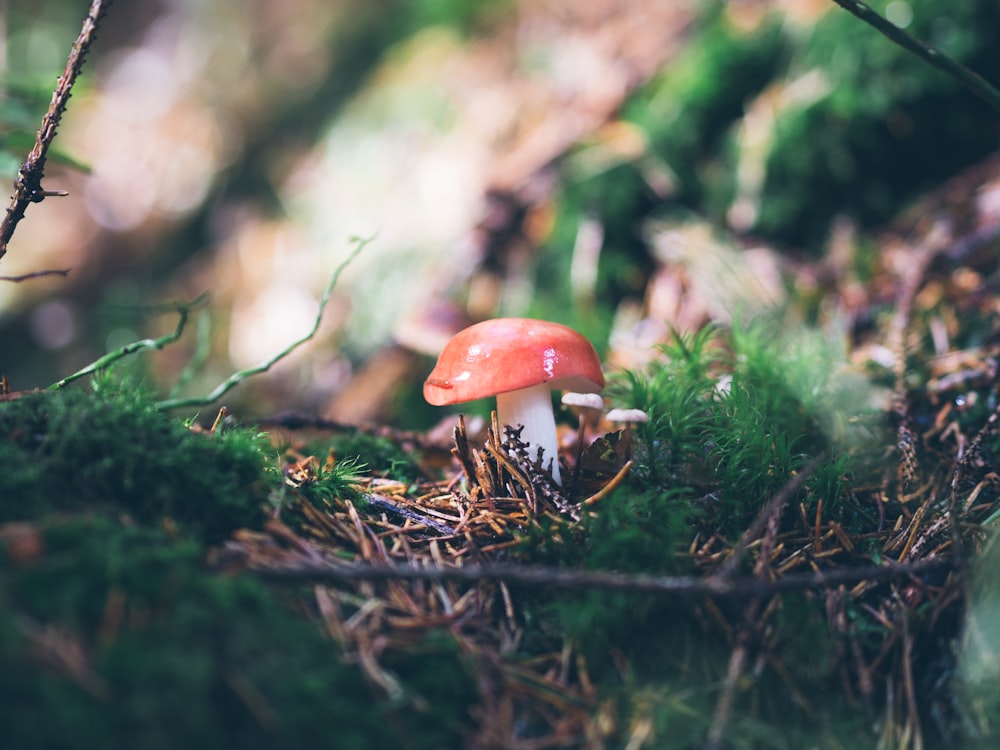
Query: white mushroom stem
point(532, 408)
point(587, 407)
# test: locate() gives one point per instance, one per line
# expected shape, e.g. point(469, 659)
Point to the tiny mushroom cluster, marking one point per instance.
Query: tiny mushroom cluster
point(520, 361)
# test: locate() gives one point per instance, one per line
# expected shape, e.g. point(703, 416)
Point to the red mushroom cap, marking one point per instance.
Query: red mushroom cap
point(508, 354)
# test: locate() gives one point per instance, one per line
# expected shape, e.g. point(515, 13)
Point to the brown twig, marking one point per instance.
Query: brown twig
point(770, 511)
point(765, 523)
point(35, 274)
point(931, 55)
point(301, 571)
point(912, 279)
point(28, 185)
point(385, 503)
point(734, 672)
point(909, 689)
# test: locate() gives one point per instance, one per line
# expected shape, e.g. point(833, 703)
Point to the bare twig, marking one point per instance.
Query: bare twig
point(765, 523)
point(382, 502)
point(734, 673)
point(35, 275)
point(773, 508)
point(28, 185)
point(144, 345)
point(912, 278)
point(238, 377)
point(528, 575)
point(909, 689)
point(931, 55)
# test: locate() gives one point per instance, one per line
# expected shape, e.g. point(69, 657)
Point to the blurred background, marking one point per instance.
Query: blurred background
point(622, 166)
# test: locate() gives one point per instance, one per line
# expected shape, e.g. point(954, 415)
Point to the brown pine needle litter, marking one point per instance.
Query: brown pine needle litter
point(435, 527)
point(400, 560)
point(395, 561)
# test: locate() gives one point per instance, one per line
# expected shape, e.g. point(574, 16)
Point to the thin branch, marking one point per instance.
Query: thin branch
point(238, 377)
point(35, 275)
point(909, 689)
point(28, 185)
point(145, 345)
point(673, 586)
point(766, 524)
point(734, 674)
point(773, 508)
point(931, 55)
point(202, 350)
point(290, 420)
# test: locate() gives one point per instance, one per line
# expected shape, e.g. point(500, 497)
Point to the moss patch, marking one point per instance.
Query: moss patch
point(114, 629)
point(72, 451)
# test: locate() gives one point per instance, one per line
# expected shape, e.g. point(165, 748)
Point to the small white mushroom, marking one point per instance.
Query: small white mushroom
point(628, 416)
point(587, 407)
point(582, 402)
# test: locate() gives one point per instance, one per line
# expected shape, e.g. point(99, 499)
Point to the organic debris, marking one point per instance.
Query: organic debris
point(501, 496)
point(907, 535)
point(782, 549)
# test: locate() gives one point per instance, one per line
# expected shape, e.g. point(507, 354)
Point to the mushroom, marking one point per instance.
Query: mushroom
point(628, 416)
point(520, 361)
point(587, 407)
point(583, 401)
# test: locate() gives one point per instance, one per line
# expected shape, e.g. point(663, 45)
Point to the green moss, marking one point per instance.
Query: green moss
point(72, 451)
point(120, 636)
point(734, 415)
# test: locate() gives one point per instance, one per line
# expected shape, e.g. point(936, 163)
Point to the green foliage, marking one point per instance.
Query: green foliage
point(170, 655)
point(72, 451)
point(889, 126)
point(979, 652)
point(750, 456)
point(677, 394)
point(118, 632)
point(679, 706)
point(684, 112)
point(690, 106)
point(380, 453)
point(640, 531)
point(461, 15)
point(734, 414)
point(21, 111)
point(873, 128)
